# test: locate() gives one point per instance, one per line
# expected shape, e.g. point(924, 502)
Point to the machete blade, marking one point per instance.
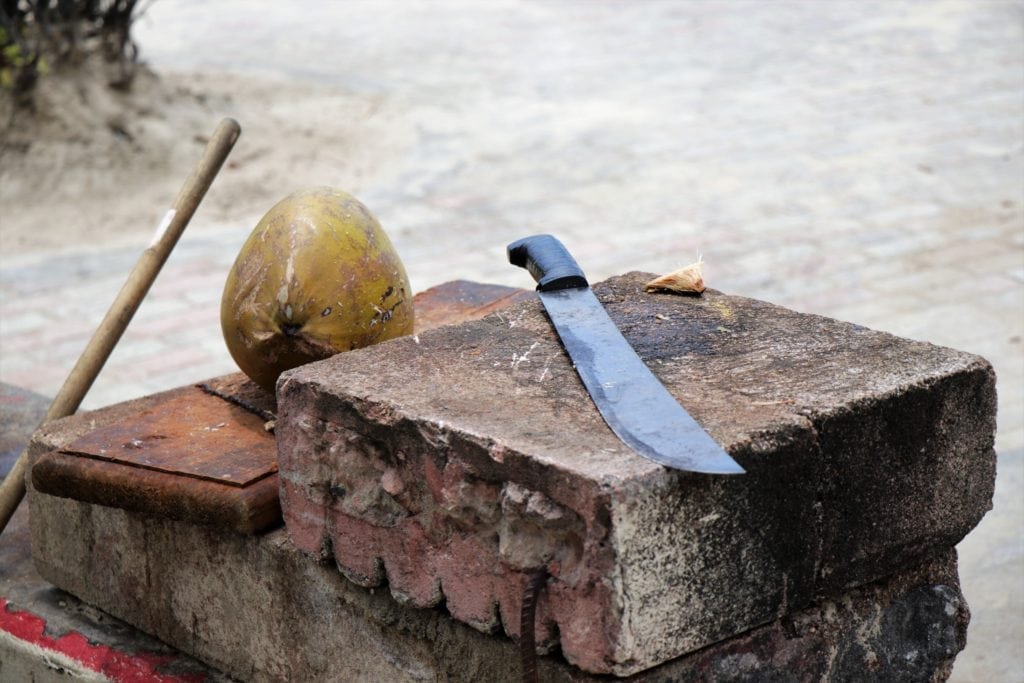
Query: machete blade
point(632, 401)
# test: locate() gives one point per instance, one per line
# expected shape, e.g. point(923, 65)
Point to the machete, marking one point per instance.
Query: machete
point(630, 398)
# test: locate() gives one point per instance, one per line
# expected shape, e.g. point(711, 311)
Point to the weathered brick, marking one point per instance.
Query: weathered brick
point(463, 457)
point(259, 610)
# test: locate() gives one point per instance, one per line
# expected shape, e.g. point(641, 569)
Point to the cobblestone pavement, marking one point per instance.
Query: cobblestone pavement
point(864, 161)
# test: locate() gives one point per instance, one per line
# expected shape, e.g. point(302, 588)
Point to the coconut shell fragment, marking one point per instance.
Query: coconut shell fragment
point(688, 279)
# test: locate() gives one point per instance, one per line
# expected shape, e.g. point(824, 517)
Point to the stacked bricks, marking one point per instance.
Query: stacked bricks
point(451, 465)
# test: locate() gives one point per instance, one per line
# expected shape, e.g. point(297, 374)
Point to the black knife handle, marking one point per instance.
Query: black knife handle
point(548, 261)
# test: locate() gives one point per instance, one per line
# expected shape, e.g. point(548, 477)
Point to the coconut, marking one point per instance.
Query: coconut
point(317, 276)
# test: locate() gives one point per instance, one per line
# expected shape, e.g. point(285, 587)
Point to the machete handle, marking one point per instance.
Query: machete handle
point(548, 261)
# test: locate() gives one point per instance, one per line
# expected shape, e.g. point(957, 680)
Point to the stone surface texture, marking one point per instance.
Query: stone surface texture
point(253, 605)
point(448, 464)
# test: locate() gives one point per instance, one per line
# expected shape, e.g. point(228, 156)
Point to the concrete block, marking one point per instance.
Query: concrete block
point(447, 465)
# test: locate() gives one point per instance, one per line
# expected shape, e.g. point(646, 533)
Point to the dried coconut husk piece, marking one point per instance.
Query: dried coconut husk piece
point(688, 279)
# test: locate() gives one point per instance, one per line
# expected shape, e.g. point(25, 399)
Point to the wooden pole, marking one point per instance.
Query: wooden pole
point(89, 364)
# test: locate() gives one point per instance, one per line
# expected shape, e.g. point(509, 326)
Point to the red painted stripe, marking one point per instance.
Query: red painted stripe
point(118, 666)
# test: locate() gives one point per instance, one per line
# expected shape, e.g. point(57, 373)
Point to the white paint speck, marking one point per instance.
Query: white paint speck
point(517, 360)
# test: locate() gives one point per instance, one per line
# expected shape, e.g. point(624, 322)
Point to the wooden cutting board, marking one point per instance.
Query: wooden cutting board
point(203, 453)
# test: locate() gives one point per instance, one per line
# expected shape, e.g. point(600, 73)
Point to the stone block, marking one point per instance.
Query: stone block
point(259, 610)
point(448, 465)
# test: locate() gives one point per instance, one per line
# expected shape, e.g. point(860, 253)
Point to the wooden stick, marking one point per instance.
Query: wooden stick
point(89, 364)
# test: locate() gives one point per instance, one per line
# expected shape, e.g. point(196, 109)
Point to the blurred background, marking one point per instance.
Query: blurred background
point(859, 160)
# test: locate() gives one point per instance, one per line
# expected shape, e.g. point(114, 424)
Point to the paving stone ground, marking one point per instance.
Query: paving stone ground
point(864, 161)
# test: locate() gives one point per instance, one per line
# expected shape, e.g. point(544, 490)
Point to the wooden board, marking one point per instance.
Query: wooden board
point(193, 456)
point(201, 453)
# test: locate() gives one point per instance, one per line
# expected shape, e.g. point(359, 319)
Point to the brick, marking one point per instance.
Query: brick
point(448, 460)
point(260, 610)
